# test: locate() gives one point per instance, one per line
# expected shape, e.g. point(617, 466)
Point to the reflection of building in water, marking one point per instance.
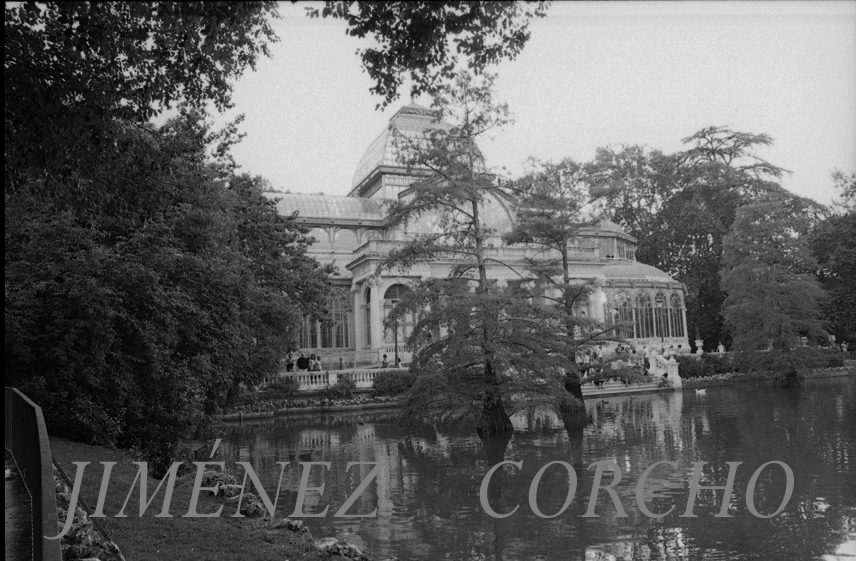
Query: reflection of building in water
point(353, 234)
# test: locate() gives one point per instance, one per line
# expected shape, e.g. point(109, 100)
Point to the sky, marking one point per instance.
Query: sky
point(592, 74)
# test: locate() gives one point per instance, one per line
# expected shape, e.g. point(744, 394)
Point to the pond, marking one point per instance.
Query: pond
point(427, 492)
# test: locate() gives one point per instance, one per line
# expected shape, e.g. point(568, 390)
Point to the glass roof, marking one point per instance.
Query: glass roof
point(634, 270)
point(410, 121)
point(327, 206)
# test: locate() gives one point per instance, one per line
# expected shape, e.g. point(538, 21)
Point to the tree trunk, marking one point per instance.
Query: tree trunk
point(574, 385)
point(494, 419)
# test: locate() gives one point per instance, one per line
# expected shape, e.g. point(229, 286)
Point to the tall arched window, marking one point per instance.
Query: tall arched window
point(644, 316)
point(624, 315)
point(335, 333)
point(676, 316)
point(661, 316)
point(309, 333)
point(405, 324)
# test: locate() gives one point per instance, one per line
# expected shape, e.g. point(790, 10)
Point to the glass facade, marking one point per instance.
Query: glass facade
point(664, 317)
point(405, 323)
point(333, 333)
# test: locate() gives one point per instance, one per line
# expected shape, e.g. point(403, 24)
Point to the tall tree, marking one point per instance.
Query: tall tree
point(133, 327)
point(481, 345)
point(768, 274)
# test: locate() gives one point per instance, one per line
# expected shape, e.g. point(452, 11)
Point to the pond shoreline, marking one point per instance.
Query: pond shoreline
point(732, 378)
point(367, 406)
point(393, 403)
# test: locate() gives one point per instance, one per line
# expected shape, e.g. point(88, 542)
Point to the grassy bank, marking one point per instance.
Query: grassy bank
point(728, 378)
point(178, 538)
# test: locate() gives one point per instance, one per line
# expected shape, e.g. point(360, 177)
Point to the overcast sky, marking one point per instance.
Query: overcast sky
point(592, 74)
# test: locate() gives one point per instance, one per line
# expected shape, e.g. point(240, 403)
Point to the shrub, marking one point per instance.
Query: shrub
point(343, 389)
point(285, 385)
point(693, 367)
point(393, 383)
point(720, 364)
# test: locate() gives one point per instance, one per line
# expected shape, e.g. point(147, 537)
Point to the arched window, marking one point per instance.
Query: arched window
point(661, 316)
point(405, 324)
point(309, 333)
point(676, 316)
point(619, 314)
point(345, 240)
point(644, 316)
point(322, 239)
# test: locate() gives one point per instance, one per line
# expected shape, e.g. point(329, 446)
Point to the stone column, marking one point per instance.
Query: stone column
point(376, 315)
point(596, 301)
point(358, 338)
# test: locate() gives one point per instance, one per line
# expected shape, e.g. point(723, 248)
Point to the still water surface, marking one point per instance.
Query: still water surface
point(427, 495)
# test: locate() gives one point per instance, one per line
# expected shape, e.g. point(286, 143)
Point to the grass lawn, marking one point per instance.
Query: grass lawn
point(176, 538)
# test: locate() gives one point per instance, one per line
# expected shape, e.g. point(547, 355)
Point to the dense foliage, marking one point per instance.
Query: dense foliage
point(147, 284)
point(342, 389)
point(774, 298)
point(393, 383)
point(132, 327)
point(833, 243)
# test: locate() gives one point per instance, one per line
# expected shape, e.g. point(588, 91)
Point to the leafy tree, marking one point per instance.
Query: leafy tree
point(833, 243)
point(133, 327)
point(481, 345)
point(425, 39)
point(75, 70)
point(846, 186)
point(768, 273)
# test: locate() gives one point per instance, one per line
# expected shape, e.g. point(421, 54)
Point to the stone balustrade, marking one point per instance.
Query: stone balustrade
point(383, 247)
point(316, 381)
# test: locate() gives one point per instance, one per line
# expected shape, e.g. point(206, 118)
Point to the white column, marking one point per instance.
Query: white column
point(376, 317)
point(596, 301)
point(358, 338)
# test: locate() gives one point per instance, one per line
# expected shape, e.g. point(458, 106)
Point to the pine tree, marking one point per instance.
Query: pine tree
point(482, 345)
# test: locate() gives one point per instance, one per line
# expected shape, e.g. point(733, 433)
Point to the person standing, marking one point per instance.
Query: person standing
point(302, 362)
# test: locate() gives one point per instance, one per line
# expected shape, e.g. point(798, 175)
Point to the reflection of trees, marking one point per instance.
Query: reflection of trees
point(431, 500)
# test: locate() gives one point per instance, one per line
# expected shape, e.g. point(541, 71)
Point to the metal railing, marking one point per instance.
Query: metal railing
point(27, 439)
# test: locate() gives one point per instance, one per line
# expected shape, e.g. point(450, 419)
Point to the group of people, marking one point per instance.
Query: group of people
point(302, 363)
point(385, 362)
point(627, 355)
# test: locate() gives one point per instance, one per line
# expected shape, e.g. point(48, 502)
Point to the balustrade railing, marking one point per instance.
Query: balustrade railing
point(383, 247)
point(316, 381)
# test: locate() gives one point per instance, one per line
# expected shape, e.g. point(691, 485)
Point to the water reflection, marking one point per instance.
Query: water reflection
point(427, 493)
